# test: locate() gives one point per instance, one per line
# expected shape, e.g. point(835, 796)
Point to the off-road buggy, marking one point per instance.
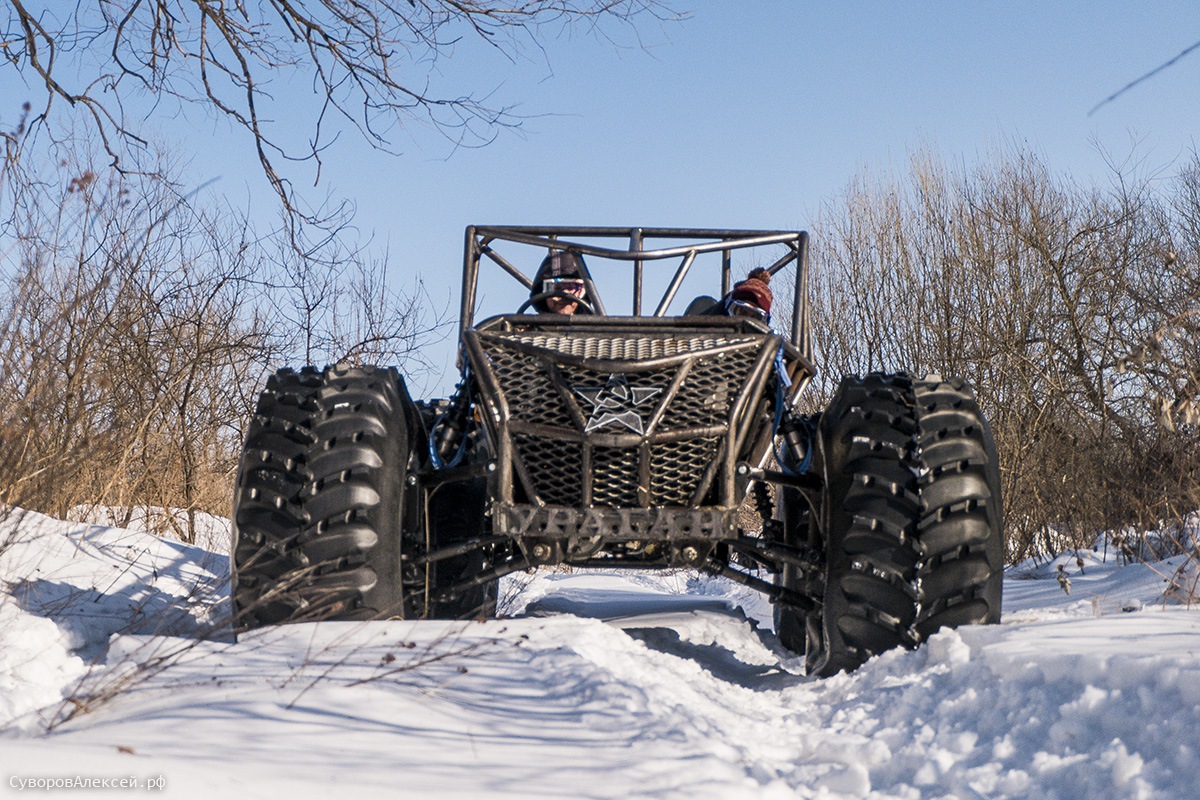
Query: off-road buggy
point(595, 440)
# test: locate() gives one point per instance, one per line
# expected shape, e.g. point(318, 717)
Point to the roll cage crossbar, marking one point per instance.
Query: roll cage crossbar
point(481, 241)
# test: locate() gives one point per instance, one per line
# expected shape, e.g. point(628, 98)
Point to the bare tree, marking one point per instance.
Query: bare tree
point(370, 64)
point(1073, 311)
point(136, 327)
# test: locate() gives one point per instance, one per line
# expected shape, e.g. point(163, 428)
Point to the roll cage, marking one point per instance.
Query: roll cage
point(680, 245)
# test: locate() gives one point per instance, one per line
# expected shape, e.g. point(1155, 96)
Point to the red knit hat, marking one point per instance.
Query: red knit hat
point(754, 289)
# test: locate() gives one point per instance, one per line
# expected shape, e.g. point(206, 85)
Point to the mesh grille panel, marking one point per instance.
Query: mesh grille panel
point(708, 391)
point(555, 466)
point(704, 399)
point(622, 348)
point(676, 467)
point(616, 471)
point(578, 376)
point(527, 387)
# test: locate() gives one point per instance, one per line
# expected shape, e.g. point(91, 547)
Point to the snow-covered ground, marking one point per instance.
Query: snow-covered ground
point(597, 685)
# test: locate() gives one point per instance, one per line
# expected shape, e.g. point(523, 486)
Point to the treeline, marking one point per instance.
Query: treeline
point(137, 325)
point(136, 328)
point(1072, 309)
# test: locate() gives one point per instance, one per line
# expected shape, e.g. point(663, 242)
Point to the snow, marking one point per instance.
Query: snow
point(114, 664)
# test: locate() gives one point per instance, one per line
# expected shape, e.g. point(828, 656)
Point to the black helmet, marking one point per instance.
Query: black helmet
point(560, 266)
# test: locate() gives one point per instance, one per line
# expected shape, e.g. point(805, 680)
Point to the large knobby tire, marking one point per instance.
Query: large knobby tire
point(911, 519)
point(960, 532)
point(320, 499)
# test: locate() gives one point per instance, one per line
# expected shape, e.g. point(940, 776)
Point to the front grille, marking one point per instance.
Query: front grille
point(555, 466)
point(622, 348)
point(616, 477)
point(673, 475)
point(589, 421)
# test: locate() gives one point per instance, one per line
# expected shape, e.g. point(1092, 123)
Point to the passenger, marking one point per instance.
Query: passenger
point(749, 298)
point(561, 271)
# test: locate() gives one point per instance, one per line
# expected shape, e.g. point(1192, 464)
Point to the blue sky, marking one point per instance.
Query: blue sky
point(751, 114)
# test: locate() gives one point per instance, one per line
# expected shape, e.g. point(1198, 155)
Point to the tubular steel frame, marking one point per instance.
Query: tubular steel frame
point(710, 514)
point(480, 239)
point(742, 433)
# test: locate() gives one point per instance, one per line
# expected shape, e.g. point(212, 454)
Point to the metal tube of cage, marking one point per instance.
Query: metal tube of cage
point(739, 426)
point(635, 245)
point(479, 237)
point(507, 267)
point(734, 240)
point(801, 332)
point(782, 262)
point(469, 281)
point(669, 295)
point(496, 406)
point(593, 294)
point(501, 231)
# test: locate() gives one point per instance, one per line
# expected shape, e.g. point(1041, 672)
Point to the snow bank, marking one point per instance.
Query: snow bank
point(70, 587)
point(36, 665)
point(601, 685)
point(1080, 708)
point(208, 532)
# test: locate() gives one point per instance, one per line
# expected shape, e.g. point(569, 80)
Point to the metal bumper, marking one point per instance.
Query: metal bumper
point(615, 524)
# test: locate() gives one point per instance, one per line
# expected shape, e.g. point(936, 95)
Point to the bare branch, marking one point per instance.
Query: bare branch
point(1146, 77)
point(369, 61)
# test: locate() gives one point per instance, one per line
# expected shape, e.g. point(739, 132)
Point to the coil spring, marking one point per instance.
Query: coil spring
point(765, 506)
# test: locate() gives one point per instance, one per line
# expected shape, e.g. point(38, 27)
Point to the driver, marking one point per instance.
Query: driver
point(561, 271)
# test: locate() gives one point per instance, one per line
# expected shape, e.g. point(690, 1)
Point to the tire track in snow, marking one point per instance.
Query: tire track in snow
point(710, 679)
point(1058, 709)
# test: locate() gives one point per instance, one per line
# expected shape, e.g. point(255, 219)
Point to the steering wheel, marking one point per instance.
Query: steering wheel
point(540, 296)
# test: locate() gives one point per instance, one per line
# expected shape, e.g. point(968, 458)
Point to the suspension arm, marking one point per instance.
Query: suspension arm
point(459, 549)
point(800, 557)
point(488, 575)
point(774, 593)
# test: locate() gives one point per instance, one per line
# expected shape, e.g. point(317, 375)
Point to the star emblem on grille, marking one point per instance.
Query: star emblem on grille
point(615, 403)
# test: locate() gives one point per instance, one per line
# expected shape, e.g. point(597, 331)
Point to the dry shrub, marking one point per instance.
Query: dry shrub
point(137, 326)
point(1040, 292)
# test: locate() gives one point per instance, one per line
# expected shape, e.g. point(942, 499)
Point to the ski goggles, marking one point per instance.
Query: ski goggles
point(573, 286)
point(740, 308)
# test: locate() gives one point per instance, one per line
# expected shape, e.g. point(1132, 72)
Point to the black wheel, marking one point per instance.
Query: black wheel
point(320, 500)
point(960, 532)
point(911, 519)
